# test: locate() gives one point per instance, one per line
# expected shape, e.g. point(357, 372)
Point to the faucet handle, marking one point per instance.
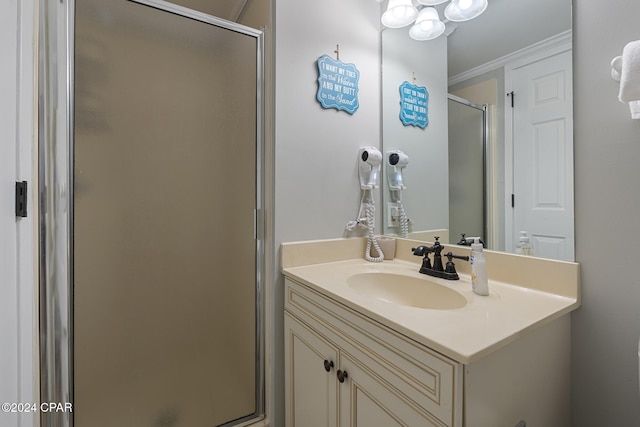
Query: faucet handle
point(451, 267)
point(437, 248)
point(426, 261)
point(421, 251)
point(450, 255)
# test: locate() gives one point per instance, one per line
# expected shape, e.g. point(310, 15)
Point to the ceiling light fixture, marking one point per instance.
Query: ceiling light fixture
point(428, 25)
point(464, 10)
point(399, 13)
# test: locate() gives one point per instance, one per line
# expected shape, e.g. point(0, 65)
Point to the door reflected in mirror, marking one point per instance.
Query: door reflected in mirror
point(496, 157)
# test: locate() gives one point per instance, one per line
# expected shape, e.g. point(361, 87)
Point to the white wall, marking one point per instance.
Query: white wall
point(607, 210)
point(316, 183)
point(426, 199)
point(316, 149)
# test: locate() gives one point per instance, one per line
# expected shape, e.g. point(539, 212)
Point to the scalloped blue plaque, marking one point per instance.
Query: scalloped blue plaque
point(337, 85)
point(414, 105)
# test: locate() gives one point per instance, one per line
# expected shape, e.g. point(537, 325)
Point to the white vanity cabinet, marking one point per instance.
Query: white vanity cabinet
point(394, 380)
point(501, 360)
point(344, 369)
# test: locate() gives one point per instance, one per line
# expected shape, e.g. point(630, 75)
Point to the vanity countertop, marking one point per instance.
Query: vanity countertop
point(465, 334)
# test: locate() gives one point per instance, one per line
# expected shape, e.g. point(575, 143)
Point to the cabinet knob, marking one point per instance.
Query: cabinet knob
point(342, 375)
point(328, 365)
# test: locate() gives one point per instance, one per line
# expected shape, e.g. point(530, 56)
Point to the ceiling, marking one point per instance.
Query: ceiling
point(506, 26)
point(225, 9)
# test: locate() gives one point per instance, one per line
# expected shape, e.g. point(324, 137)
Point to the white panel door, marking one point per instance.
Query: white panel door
point(543, 155)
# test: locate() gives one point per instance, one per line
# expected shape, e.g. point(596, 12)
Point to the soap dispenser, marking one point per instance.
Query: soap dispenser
point(479, 280)
point(523, 247)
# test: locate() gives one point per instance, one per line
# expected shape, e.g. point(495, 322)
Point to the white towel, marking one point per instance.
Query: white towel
point(634, 107)
point(630, 73)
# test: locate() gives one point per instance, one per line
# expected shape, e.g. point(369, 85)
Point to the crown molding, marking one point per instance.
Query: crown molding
point(557, 41)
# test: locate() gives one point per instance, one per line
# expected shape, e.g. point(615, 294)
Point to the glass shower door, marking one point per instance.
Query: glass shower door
point(467, 130)
point(165, 304)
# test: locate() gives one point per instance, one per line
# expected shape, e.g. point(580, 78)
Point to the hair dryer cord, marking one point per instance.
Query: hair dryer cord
point(404, 221)
point(372, 241)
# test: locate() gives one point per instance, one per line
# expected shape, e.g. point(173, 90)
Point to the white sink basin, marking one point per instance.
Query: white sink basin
point(406, 290)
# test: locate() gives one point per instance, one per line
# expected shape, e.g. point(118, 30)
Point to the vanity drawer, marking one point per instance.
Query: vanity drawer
point(424, 379)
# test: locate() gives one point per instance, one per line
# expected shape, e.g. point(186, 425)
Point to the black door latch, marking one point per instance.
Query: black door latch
point(21, 199)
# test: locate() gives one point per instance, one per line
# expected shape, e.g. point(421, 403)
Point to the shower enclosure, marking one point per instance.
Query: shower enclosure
point(152, 200)
point(467, 172)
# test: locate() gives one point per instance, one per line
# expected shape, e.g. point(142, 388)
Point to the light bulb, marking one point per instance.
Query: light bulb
point(465, 4)
point(401, 12)
point(426, 25)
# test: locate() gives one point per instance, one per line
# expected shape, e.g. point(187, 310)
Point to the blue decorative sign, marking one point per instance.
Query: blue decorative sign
point(414, 105)
point(337, 85)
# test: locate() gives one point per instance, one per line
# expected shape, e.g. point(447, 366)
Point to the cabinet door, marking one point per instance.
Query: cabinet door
point(367, 401)
point(310, 382)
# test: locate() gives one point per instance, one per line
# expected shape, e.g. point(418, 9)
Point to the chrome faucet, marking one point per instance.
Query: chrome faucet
point(437, 269)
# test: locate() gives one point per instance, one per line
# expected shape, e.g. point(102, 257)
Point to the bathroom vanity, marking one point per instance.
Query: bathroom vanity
point(404, 351)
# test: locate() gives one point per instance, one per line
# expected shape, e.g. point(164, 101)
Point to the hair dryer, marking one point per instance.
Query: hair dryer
point(370, 159)
point(396, 162)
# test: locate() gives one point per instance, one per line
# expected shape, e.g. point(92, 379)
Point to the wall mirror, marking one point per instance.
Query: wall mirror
point(496, 157)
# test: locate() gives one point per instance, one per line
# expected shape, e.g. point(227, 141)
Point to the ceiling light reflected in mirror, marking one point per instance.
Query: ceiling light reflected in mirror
point(465, 10)
point(428, 25)
point(426, 20)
